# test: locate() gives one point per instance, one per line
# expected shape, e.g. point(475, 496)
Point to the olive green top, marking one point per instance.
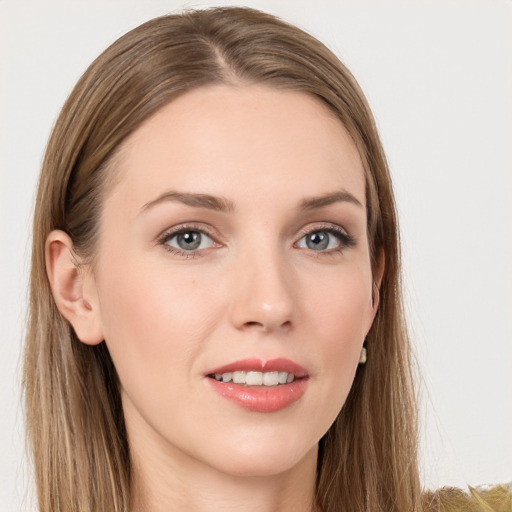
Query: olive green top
point(451, 499)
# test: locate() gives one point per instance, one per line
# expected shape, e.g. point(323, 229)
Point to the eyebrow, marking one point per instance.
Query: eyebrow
point(328, 199)
point(222, 204)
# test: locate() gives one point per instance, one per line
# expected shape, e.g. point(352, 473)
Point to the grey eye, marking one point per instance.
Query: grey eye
point(320, 240)
point(190, 241)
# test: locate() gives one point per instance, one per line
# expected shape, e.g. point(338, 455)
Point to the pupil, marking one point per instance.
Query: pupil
point(189, 240)
point(318, 240)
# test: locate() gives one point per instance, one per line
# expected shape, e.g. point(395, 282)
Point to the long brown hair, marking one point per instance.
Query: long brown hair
point(367, 460)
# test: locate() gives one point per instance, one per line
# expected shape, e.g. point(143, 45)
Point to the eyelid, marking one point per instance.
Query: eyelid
point(346, 239)
point(319, 226)
point(169, 233)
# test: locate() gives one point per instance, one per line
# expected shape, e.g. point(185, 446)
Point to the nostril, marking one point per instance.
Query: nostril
point(266, 325)
point(253, 324)
point(254, 311)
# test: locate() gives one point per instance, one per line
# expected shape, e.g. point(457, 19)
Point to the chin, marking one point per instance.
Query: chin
point(261, 467)
point(261, 455)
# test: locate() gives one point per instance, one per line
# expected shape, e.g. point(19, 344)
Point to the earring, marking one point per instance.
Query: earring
point(362, 357)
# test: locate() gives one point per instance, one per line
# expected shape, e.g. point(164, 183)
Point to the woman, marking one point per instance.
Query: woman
point(216, 316)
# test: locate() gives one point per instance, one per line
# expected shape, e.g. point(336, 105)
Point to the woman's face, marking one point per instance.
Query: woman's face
point(235, 241)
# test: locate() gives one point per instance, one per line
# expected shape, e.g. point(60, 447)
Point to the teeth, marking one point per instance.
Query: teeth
point(270, 379)
point(238, 377)
point(256, 378)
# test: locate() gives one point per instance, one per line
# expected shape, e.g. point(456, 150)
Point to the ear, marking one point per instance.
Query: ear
point(377, 276)
point(377, 280)
point(73, 288)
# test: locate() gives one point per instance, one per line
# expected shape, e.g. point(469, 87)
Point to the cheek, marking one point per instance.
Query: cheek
point(154, 322)
point(342, 314)
point(340, 306)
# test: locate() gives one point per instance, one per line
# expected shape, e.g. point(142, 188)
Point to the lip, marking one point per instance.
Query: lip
point(261, 398)
point(257, 365)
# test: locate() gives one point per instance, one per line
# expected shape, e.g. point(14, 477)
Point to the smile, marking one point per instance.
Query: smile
point(255, 378)
point(260, 386)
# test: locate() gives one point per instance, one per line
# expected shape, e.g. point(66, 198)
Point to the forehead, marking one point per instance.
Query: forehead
point(224, 139)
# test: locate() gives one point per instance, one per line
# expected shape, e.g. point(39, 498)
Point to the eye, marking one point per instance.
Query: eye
point(187, 241)
point(326, 240)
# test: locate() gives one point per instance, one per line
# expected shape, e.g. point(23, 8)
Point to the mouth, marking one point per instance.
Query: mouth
point(260, 386)
point(254, 378)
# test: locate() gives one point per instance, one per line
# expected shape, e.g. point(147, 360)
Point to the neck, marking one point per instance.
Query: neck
point(163, 481)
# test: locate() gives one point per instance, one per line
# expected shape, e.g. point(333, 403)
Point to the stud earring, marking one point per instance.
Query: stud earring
point(362, 357)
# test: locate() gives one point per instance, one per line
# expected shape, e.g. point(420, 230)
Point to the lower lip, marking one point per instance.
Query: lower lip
point(261, 399)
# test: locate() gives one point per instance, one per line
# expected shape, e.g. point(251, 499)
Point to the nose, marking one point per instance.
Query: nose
point(263, 297)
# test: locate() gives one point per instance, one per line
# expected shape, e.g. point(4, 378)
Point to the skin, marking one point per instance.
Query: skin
point(254, 288)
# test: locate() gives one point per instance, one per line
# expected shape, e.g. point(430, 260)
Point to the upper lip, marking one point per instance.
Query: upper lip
point(258, 365)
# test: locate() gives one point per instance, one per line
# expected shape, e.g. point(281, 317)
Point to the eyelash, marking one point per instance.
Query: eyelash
point(185, 228)
point(346, 240)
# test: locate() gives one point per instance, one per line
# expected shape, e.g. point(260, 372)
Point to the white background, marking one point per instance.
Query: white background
point(438, 75)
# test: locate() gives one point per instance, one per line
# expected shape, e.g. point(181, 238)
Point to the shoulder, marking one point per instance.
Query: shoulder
point(496, 498)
